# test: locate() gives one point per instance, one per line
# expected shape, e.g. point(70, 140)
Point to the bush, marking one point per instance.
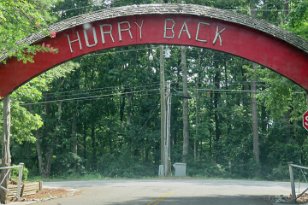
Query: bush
point(68, 164)
point(15, 173)
point(124, 166)
point(280, 172)
point(206, 169)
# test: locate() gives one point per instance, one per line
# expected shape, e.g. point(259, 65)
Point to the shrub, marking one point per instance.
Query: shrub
point(15, 173)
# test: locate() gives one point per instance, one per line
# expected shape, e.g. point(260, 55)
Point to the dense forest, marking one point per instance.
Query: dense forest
point(100, 114)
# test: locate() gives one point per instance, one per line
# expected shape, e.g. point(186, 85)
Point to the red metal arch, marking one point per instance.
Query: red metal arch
point(180, 29)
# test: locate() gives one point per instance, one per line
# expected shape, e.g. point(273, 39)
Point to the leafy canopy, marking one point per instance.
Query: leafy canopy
point(19, 19)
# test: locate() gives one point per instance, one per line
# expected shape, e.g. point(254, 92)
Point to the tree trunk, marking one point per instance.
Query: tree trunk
point(129, 106)
point(74, 148)
point(93, 138)
point(198, 82)
point(48, 158)
point(185, 105)
point(129, 97)
point(84, 141)
point(44, 160)
point(255, 126)
point(211, 128)
point(44, 155)
point(122, 106)
point(39, 152)
point(216, 95)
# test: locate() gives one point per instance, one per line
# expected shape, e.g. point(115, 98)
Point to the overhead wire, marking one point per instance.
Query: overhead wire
point(81, 93)
point(122, 51)
point(93, 97)
point(86, 91)
point(174, 93)
point(233, 91)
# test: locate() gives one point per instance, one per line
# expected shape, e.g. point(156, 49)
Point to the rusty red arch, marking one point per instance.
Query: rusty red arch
point(179, 24)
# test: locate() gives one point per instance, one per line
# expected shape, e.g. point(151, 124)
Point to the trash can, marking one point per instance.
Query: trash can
point(179, 169)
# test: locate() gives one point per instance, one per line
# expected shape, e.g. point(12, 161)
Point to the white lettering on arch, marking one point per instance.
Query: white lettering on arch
point(184, 29)
point(198, 38)
point(85, 32)
point(127, 29)
point(166, 28)
point(140, 28)
point(218, 36)
point(103, 32)
point(70, 42)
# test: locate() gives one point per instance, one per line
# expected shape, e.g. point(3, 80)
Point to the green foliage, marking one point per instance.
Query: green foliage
point(298, 20)
point(107, 106)
point(15, 174)
point(126, 166)
point(70, 162)
point(24, 123)
point(19, 19)
point(24, 120)
point(290, 96)
point(207, 169)
point(281, 172)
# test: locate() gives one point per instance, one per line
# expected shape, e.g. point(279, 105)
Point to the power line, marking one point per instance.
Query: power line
point(88, 91)
point(97, 97)
point(94, 97)
point(78, 96)
point(232, 91)
point(123, 51)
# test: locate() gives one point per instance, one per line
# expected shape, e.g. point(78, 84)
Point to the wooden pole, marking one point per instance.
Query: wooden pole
point(162, 104)
point(6, 153)
point(167, 130)
point(19, 184)
point(293, 197)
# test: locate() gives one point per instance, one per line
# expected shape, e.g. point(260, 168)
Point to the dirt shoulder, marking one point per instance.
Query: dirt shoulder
point(46, 194)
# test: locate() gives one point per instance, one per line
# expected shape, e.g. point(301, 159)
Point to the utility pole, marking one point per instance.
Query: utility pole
point(165, 102)
point(254, 107)
point(162, 105)
point(167, 160)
